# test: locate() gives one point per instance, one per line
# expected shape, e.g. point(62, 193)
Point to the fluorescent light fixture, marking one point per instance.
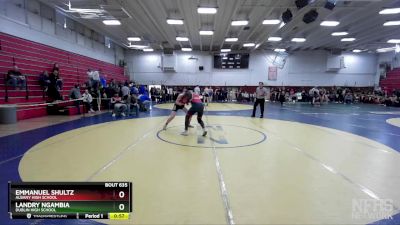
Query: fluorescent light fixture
point(174, 22)
point(394, 41)
point(282, 24)
point(385, 49)
point(148, 50)
point(186, 49)
point(231, 39)
point(206, 10)
point(271, 22)
point(392, 23)
point(240, 22)
point(257, 45)
point(138, 46)
point(182, 39)
point(225, 50)
point(249, 44)
point(348, 39)
point(390, 11)
point(357, 50)
point(111, 22)
point(328, 23)
point(397, 49)
point(280, 50)
point(274, 39)
point(298, 39)
point(342, 33)
point(206, 32)
point(134, 39)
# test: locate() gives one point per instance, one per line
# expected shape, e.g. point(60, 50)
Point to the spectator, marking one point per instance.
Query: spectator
point(87, 100)
point(133, 104)
point(103, 81)
point(75, 94)
point(119, 106)
point(125, 91)
point(95, 80)
point(44, 80)
point(348, 99)
point(56, 72)
point(52, 90)
point(90, 77)
point(15, 78)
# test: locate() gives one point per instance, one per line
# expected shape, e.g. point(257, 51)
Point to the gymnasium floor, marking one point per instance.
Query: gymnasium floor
point(299, 165)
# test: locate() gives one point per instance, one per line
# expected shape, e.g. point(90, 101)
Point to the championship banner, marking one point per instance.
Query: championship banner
point(272, 73)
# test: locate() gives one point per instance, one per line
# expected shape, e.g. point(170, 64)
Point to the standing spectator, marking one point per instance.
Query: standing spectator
point(52, 90)
point(15, 78)
point(261, 93)
point(56, 71)
point(95, 80)
point(87, 100)
point(90, 77)
point(75, 94)
point(125, 91)
point(44, 80)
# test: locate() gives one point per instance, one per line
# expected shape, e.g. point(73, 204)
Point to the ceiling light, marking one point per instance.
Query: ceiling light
point(392, 23)
point(182, 39)
point(357, 50)
point(348, 39)
point(174, 22)
point(329, 23)
point(298, 39)
point(390, 11)
point(257, 45)
point(280, 50)
point(111, 22)
point(343, 33)
point(274, 39)
point(271, 22)
point(148, 50)
point(134, 39)
point(138, 46)
point(249, 44)
point(397, 49)
point(240, 22)
point(206, 10)
point(394, 41)
point(206, 32)
point(225, 50)
point(231, 39)
point(385, 49)
point(186, 49)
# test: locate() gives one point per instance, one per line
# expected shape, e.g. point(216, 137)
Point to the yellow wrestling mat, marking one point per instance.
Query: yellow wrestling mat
point(275, 172)
point(212, 106)
point(394, 122)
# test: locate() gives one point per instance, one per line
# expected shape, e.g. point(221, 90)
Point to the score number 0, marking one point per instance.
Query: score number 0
point(121, 194)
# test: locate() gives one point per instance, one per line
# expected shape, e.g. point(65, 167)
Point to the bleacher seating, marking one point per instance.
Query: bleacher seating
point(33, 58)
point(392, 80)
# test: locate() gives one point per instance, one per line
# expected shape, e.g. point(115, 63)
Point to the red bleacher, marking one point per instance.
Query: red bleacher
point(392, 80)
point(33, 58)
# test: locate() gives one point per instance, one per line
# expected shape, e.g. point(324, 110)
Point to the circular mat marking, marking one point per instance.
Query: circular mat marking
point(394, 122)
point(219, 136)
point(212, 106)
point(268, 183)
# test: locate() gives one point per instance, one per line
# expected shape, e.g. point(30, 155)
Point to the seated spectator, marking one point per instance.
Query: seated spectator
point(133, 104)
point(87, 100)
point(75, 94)
point(15, 78)
point(348, 98)
point(119, 106)
point(144, 101)
point(44, 80)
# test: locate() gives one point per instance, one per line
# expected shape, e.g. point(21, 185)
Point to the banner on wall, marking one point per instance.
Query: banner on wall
point(272, 73)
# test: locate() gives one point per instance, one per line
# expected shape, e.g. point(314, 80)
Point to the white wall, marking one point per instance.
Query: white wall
point(301, 69)
point(29, 25)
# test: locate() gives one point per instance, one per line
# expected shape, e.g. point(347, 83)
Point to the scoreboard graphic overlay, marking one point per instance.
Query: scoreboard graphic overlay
point(70, 200)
